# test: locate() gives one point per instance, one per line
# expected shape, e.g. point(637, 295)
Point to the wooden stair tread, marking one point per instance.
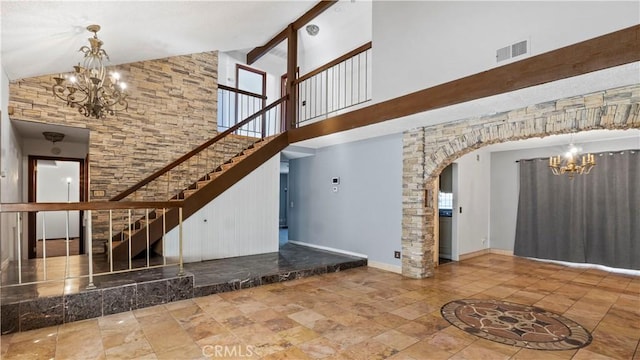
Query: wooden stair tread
point(140, 224)
point(189, 192)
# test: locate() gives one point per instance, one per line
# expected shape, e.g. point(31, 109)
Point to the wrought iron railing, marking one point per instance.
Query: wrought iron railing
point(45, 267)
point(235, 105)
point(340, 84)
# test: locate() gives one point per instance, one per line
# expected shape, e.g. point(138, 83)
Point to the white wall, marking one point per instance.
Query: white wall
point(365, 215)
point(343, 27)
point(241, 221)
point(10, 171)
point(52, 187)
point(36, 147)
point(420, 44)
point(471, 193)
point(505, 184)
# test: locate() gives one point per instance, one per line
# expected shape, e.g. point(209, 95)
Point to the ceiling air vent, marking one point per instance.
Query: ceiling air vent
point(511, 51)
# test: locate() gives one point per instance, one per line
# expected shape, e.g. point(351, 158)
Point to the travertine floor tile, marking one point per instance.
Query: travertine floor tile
point(355, 314)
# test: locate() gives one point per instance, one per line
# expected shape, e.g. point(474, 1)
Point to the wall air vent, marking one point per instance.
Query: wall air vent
point(519, 48)
point(511, 51)
point(503, 54)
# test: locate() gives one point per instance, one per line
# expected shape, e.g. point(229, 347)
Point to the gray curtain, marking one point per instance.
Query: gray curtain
point(593, 218)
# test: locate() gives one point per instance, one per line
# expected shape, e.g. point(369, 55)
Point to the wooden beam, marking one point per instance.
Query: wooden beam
point(610, 50)
point(260, 51)
point(318, 9)
point(291, 107)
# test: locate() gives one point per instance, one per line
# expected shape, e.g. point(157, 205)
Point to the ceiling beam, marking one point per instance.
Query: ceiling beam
point(260, 51)
point(610, 50)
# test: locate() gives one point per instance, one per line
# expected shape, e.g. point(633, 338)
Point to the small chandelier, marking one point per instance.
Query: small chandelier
point(570, 164)
point(88, 87)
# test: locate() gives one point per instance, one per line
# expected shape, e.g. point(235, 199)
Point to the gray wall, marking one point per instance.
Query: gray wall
point(505, 184)
point(365, 215)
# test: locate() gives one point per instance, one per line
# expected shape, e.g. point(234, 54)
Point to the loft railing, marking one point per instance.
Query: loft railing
point(199, 163)
point(52, 268)
point(337, 85)
point(235, 105)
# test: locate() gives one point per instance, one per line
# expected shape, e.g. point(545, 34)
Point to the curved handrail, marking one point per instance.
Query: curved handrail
point(195, 151)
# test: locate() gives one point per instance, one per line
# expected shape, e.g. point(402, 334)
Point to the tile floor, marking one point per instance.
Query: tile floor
point(361, 313)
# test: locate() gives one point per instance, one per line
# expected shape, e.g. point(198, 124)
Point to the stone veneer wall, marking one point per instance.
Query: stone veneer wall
point(428, 150)
point(172, 109)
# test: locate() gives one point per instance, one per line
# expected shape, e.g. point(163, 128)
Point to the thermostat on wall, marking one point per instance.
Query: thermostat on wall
point(335, 180)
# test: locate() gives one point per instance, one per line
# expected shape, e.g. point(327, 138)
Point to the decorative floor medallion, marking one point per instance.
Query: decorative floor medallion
point(514, 324)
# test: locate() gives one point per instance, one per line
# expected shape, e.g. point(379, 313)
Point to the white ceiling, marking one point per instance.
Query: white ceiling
point(42, 37)
point(34, 130)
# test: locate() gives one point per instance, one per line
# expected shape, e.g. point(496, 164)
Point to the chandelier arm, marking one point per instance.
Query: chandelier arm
point(92, 91)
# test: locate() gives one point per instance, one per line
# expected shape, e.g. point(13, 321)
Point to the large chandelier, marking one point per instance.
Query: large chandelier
point(88, 87)
point(572, 163)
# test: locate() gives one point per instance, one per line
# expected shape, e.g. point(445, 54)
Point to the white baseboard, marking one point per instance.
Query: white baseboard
point(501, 252)
point(485, 251)
point(387, 267)
point(350, 253)
point(472, 254)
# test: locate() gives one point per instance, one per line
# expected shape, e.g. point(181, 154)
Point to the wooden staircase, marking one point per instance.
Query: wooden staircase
point(158, 221)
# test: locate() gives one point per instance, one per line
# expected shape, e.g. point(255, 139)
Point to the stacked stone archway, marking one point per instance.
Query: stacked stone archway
point(428, 150)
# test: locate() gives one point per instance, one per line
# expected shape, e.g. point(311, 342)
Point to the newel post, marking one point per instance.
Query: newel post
point(292, 65)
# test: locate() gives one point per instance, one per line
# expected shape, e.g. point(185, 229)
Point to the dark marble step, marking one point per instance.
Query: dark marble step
point(28, 307)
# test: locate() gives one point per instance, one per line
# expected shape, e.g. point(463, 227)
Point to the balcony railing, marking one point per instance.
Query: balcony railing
point(340, 84)
point(235, 105)
point(117, 216)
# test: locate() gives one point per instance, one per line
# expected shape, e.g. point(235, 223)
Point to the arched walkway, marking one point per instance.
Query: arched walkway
point(428, 150)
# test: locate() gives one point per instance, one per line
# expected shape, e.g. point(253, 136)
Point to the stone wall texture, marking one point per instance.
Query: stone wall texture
point(428, 150)
point(172, 110)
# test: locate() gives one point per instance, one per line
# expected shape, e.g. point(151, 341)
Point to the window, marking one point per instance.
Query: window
point(445, 201)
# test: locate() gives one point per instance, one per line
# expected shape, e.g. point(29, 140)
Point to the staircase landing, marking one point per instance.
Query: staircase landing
point(31, 307)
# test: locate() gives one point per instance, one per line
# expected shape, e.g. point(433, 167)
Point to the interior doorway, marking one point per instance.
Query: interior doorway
point(446, 214)
point(283, 228)
point(56, 179)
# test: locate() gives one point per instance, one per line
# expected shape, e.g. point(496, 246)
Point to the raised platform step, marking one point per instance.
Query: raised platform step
point(68, 301)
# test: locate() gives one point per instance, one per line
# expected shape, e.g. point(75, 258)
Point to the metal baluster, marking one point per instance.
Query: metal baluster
point(351, 82)
point(110, 240)
point(358, 101)
point(130, 231)
point(67, 245)
point(180, 260)
point(168, 181)
point(44, 244)
point(366, 69)
point(91, 285)
point(146, 218)
point(164, 236)
point(339, 87)
point(326, 92)
point(19, 245)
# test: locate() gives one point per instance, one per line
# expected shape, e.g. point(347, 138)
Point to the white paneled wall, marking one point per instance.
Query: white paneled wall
point(241, 221)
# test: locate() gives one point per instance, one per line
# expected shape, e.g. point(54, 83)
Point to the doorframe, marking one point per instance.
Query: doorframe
point(32, 186)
